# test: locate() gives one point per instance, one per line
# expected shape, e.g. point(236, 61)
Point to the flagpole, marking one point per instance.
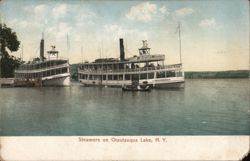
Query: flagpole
point(68, 46)
point(179, 27)
point(81, 54)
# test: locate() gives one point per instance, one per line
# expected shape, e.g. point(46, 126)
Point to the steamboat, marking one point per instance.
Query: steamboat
point(44, 71)
point(144, 68)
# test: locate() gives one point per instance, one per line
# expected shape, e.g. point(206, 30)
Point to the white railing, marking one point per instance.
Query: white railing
point(143, 69)
point(42, 69)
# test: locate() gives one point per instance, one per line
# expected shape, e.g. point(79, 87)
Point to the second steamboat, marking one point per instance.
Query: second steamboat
point(144, 68)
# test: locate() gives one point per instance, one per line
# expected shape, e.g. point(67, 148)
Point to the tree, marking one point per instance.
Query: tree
point(8, 42)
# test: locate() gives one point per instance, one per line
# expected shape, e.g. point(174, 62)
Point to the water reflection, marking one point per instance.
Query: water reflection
point(204, 107)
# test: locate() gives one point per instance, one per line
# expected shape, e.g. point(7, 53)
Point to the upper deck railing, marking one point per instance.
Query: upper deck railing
point(42, 65)
point(136, 59)
point(41, 69)
point(142, 69)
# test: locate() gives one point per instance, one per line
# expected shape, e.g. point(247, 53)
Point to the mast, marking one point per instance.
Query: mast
point(21, 56)
point(179, 28)
point(68, 45)
point(42, 48)
point(81, 54)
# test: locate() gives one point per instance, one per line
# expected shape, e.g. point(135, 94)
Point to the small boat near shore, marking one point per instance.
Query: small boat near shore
point(136, 87)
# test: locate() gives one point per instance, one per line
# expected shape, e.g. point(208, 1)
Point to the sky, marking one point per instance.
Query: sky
point(214, 33)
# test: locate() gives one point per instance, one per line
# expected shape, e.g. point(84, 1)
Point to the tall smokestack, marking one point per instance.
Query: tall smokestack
point(42, 49)
point(122, 53)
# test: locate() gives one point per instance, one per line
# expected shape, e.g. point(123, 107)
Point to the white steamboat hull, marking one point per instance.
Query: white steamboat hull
point(59, 80)
point(174, 82)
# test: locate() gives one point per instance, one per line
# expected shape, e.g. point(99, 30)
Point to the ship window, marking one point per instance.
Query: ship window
point(120, 77)
point(53, 72)
point(109, 77)
point(150, 75)
point(44, 74)
point(60, 62)
point(179, 74)
point(170, 74)
point(115, 77)
point(90, 77)
point(104, 77)
point(127, 77)
point(58, 71)
point(135, 77)
point(64, 70)
point(143, 76)
point(52, 63)
point(160, 75)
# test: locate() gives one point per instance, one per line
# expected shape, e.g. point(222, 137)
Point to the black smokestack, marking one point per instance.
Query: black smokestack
point(42, 49)
point(122, 53)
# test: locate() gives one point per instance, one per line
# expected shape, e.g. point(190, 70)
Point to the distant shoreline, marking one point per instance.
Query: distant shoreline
point(217, 74)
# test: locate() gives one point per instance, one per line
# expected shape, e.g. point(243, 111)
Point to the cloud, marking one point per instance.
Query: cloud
point(23, 24)
point(84, 18)
point(209, 22)
point(184, 11)
point(36, 16)
point(59, 11)
point(59, 31)
point(115, 31)
point(142, 12)
point(164, 10)
point(40, 9)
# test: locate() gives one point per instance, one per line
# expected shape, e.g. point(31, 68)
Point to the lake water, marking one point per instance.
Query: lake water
point(204, 107)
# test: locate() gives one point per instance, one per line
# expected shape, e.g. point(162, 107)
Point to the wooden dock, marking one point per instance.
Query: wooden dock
point(6, 82)
point(10, 82)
